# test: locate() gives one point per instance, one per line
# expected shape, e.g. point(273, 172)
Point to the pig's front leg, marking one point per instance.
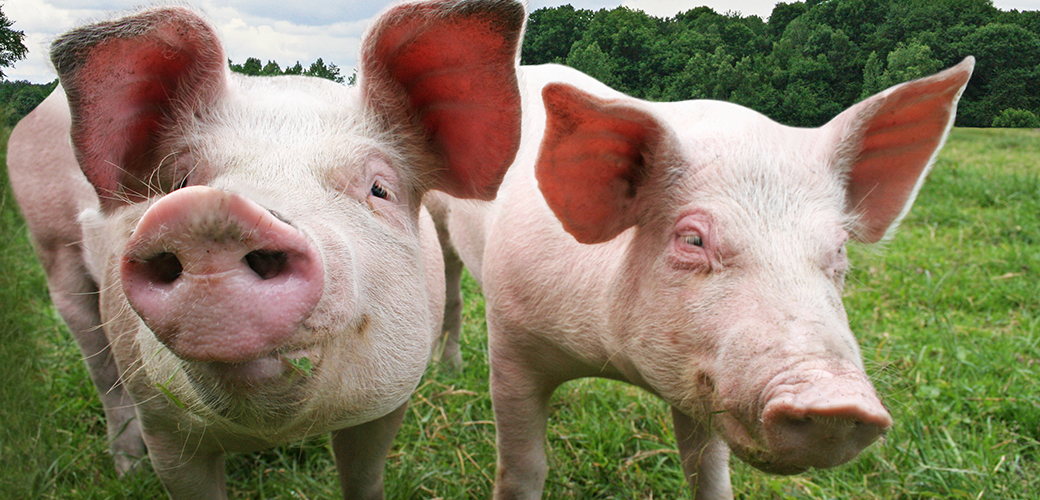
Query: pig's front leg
point(361, 453)
point(520, 396)
point(705, 458)
point(75, 295)
point(186, 467)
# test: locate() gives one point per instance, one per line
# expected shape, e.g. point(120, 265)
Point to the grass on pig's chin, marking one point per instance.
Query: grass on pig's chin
point(948, 316)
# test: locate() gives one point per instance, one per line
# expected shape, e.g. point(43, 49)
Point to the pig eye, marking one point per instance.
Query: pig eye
point(693, 239)
point(379, 191)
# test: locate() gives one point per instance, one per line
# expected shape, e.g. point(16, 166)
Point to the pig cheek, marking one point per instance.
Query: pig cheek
point(374, 362)
point(680, 347)
point(720, 368)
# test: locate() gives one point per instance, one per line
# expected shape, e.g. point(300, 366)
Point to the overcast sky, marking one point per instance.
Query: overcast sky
point(288, 31)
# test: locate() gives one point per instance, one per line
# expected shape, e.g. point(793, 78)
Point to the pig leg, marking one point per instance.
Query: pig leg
point(705, 458)
point(446, 348)
point(450, 350)
point(75, 295)
point(520, 397)
point(361, 453)
point(184, 467)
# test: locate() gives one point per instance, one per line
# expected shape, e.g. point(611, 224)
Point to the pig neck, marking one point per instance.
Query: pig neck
point(562, 292)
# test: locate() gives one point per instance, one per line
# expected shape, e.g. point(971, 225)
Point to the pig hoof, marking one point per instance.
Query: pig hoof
point(126, 463)
point(449, 358)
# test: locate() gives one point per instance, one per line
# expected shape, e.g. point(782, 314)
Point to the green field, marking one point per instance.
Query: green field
point(948, 315)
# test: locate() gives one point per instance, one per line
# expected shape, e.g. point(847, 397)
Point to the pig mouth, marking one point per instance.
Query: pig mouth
point(262, 393)
point(262, 371)
point(812, 419)
point(752, 450)
point(276, 377)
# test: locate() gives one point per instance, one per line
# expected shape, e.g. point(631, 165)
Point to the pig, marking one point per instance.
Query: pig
point(697, 250)
point(244, 261)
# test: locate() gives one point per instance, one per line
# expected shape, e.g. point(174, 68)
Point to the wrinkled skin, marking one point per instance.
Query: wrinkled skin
point(697, 250)
point(244, 261)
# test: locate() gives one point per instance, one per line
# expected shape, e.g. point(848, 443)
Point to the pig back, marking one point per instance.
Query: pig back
point(46, 179)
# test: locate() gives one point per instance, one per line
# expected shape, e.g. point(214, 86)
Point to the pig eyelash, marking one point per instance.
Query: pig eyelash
point(381, 192)
point(693, 239)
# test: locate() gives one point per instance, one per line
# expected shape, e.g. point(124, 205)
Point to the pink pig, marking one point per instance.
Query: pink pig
point(697, 250)
point(244, 261)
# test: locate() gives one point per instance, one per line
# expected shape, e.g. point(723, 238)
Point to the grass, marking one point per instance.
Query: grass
point(948, 315)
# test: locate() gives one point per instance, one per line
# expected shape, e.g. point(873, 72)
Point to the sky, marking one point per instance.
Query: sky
point(287, 31)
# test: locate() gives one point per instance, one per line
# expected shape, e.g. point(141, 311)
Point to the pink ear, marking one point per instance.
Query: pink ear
point(592, 160)
point(125, 79)
point(452, 66)
point(888, 143)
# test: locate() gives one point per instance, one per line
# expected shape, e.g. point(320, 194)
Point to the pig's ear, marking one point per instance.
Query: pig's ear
point(126, 79)
point(887, 144)
point(449, 68)
point(593, 160)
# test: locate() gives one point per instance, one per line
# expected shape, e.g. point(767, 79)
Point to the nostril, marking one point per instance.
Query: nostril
point(164, 268)
point(266, 263)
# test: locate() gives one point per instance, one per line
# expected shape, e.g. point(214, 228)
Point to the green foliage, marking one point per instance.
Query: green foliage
point(253, 67)
point(809, 62)
point(11, 47)
point(909, 62)
point(321, 70)
point(18, 99)
point(948, 318)
point(551, 32)
point(591, 60)
point(1016, 118)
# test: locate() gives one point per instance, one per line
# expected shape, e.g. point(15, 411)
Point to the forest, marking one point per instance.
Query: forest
point(801, 67)
point(809, 61)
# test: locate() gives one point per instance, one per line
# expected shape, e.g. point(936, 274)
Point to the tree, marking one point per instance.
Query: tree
point(551, 33)
point(909, 62)
point(251, 67)
point(873, 76)
point(11, 47)
point(295, 70)
point(1016, 118)
point(627, 36)
point(254, 67)
point(19, 98)
point(591, 60)
point(320, 69)
point(1006, 72)
point(271, 69)
point(812, 59)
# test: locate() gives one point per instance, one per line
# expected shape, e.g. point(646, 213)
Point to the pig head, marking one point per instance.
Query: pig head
point(695, 249)
point(244, 261)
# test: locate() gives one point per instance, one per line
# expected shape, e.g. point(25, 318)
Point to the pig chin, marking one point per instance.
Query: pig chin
point(750, 450)
point(262, 393)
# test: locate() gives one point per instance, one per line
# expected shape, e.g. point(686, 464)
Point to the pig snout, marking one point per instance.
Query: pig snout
point(819, 418)
point(218, 278)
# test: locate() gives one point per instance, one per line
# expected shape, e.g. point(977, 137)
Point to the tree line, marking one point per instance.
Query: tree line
point(318, 68)
point(804, 65)
point(809, 61)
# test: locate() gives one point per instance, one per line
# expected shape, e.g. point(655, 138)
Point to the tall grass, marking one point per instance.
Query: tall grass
point(948, 315)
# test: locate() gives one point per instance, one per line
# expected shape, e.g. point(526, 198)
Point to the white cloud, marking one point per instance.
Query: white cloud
point(250, 31)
